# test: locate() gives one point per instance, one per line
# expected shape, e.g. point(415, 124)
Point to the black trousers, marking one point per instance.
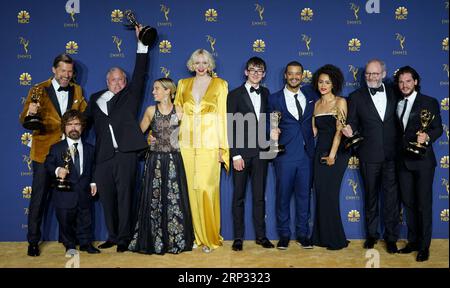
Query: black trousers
point(416, 190)
point(75, 224)
point(39, 200)
point(381, 177)
point(116, 180)
point(256, 169)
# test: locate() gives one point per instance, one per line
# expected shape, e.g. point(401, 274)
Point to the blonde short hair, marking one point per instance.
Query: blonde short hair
point(168, 83)
point(198, 52)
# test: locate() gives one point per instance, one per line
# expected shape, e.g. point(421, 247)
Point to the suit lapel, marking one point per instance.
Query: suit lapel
point(371, 105)
point(309, 107)
point(52, 95)
point(71, 95)
point(247, 100)
point(264, 97)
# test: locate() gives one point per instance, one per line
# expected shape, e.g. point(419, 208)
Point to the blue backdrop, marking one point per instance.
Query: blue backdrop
point(344, 33)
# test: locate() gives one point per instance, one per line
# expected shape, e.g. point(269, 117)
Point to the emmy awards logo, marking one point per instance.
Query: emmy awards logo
point(354, 71)
point(307, 40)
point(401, 39)
point(275, 118)
point(34, 122)
point(27, 159)
point(373, 258)
point(445, 184)
point(212, 41)
point(72, 8)
point(165, 72)
point(166, 11)
point(260, 10)
point(355, 9)
point(446, 130)
point(425, 120)
point(24, 42)
point(446, 69)
point(118, 42)
point(354, 186)
point(62, 183)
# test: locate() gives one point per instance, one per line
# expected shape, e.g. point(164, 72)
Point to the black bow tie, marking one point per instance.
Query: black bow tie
point(63, 89)
point(258, 90)
point(373, 91)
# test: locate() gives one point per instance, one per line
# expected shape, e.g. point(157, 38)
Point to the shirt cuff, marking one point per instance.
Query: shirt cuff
point(237, 157)
point(93, 184)
point(142, 48)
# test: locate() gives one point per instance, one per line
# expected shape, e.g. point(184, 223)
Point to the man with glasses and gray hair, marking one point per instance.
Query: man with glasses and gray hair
point(372, 112)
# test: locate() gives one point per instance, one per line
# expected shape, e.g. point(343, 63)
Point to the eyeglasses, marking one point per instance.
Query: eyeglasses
point(254, 72)
point(372, 74)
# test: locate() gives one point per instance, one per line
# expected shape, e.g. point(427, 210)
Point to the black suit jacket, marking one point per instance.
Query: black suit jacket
point(81, 191)
point(380, 137)
point(122, 116)
point(243, 140)
point(413, 125)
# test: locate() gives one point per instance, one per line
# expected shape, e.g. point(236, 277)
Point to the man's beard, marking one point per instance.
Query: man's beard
point(75, 135)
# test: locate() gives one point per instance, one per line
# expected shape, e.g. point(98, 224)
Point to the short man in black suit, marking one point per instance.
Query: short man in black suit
point(114, 112)
point(372, 112)
point(73, 207)
point(416, 172)
point(249, 102)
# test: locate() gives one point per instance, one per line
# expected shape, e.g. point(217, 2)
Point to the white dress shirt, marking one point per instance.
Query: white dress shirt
point(63, 96)
point(401, 105)
point(70, 143)
point(256, 99)
point(290, 102)
point(380, 101)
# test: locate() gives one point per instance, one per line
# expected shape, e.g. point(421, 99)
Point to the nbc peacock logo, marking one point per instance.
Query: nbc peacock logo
point(306, 14)
point(165, 46)
point(71, 47)
point(401, 13)
point(211, 15)
point(354, 45)
point(25, 79)
point(444, 215)
point(353, 216)
point(444, 162)
point(116, 16)
point(353, 162)
point(307, 77)
point(26, 192)
point(259, 46)
point(445, 44)
point(26, 138)
point(444, 104)
point(23, 17)
point(165, 71)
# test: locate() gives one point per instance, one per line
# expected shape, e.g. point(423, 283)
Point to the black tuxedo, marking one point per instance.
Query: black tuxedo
point(377, 153)
point(244, 142)
point(416, 173)
point(73, 208)
point(115, 172)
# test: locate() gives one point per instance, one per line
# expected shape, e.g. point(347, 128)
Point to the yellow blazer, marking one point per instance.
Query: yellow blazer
point(42, 140)
point(204, 126)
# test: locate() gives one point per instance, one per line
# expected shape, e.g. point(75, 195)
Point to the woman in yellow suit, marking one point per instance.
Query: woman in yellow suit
point(203, 144)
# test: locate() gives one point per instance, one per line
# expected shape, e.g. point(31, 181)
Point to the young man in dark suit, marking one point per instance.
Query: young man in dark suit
point(416, 172)
point(293, 168)
point(247, 105)
point(114, 112)
point(372, 112)
point(73, 206)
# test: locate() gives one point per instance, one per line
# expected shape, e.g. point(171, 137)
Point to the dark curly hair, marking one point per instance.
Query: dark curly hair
point(336, 77)
point(410, 70)
point(70, 115)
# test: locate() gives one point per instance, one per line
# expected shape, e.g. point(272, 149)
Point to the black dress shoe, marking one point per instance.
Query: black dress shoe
point(304, 242)
point(391, 247)
point(33, 250)
point(369, 243)
point(283, 243)
point(264, 242)
point(107, 244)
point(409, 248)
point(122, 248)
point(89, 249)
point(237, 245)
point(423, 255)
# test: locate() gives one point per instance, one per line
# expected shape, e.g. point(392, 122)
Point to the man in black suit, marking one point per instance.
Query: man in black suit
point(247, 105)
point(372, 112)
point(73, 207)
point(114, 113)
point(416, 172)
